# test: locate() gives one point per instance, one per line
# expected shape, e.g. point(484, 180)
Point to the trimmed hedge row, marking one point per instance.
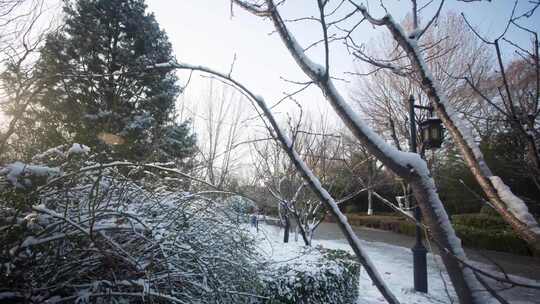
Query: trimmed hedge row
point(497, 240)
point(476, 230)
point(480, 221)
point(389, 223)
point(331, 278)
point(488, 231)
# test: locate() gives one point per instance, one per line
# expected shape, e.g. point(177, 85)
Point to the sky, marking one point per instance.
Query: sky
point(205, 32)
point(209, 33)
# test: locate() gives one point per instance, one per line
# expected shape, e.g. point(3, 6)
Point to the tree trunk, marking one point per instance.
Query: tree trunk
point(286, 229)
point(302, 229)
point(523, 224)
point(408, 166)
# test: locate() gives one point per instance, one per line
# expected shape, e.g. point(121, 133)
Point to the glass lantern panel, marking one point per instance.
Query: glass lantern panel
point(434, 132)
point(425, 134)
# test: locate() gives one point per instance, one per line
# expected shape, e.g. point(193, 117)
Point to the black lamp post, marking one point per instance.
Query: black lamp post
point(431, 135)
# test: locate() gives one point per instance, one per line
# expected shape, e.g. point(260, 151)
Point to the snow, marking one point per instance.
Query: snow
point(414, 161)
point(60, 151)
point(395, 265)
point(515, 205)
point(465, 131)
point(392, 155)
point(17, 170)
point(317, 68)
point(49, 152)
point(406, 159)
point(78, 149)
point(316, 185)
point(428, 182)
point(321, 191)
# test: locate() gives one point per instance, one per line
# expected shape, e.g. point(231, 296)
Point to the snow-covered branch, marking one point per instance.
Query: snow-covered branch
point(407, 165)
point(301, 166)
point(511, 208)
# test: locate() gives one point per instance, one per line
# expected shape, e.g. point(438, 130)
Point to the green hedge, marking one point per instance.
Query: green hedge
point(389, 223)
point(330, 278)
point(480, 221)
point(488, 231)
point(476, 230)
point(498, 240)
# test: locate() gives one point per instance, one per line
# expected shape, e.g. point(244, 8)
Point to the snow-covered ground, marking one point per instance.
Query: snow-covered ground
point(395, 265)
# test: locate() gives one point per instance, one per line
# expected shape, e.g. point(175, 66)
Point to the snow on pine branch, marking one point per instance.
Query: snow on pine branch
point(20, 174)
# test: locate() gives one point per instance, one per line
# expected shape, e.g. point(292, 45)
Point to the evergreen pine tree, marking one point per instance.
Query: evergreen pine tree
point(99, 91)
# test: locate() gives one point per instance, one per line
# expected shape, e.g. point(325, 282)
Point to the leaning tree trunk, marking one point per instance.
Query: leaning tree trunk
point(408, 166)
point(307, 175)
point(512, 209)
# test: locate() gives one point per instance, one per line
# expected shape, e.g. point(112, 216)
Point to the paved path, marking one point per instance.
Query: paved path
point(524, 266)
point(391, 255)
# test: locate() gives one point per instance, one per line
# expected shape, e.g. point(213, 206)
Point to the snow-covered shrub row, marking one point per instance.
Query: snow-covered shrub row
point(320, 276)
point(91, 233)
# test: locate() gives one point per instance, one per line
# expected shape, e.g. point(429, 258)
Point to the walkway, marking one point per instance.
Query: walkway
point(390, 254)
point(524, 266)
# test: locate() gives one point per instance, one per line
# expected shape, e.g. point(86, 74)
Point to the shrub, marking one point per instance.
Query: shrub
point(320, 276)
point(95, 234)
point(498, 240)
point(480, 221)
point(476, 230)
point(407, 228)
point(389, 223)
point(488, 210)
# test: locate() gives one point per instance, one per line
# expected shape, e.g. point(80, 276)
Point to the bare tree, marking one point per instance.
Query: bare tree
point(319, 147)
point(218, 116)
point(20, 39)
point(382, 95)
point(408, 166)
point(365, 170)
point(513, 89)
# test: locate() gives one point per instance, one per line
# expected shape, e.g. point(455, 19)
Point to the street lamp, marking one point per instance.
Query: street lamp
point(431, 135)
point(431, 132)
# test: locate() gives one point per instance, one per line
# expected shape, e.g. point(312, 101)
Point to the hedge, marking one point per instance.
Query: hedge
point(480, 221)
point(389, 223)
point(331, 277)
point(491, 232)
point(498, 240)
point(476, 230)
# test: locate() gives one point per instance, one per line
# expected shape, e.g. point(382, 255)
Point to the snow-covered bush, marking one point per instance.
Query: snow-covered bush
point(90, 233)
point(319, 276)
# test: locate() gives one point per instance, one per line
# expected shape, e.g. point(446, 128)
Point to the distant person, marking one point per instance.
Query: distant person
point(254, 220)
